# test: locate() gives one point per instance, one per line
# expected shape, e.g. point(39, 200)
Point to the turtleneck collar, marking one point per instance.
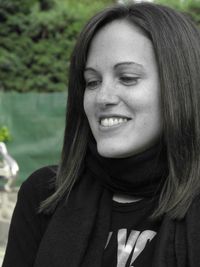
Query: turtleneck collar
point(141, 175)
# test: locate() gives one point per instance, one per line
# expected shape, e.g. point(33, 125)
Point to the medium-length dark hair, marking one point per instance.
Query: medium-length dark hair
point(176, 42)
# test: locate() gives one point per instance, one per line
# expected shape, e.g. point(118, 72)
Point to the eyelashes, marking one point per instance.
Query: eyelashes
point(129, 80)
point(93, 84)
point(126, 80)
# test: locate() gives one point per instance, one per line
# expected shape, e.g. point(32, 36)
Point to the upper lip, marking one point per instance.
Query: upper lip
point(111, 115)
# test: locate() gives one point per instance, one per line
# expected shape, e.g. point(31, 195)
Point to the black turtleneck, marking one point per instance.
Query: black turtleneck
point(141, 175)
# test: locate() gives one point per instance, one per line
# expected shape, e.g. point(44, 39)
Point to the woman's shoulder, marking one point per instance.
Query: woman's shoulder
point(41, 183)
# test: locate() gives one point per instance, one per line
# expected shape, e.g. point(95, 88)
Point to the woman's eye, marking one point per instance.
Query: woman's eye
point(92, 84)
point(129, 80)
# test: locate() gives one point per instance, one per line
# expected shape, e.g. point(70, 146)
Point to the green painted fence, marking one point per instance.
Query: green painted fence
point(36, 122)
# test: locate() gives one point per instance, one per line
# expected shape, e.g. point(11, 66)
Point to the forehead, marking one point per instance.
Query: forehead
point(119, 40)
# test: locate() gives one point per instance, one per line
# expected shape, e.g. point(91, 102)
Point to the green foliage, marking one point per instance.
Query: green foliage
point(4, 134)
point(36, 40)
point(193, 8)
point(13, 6)
point(46, 5)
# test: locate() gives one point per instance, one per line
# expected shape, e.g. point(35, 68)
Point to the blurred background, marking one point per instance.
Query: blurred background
point(36, 40)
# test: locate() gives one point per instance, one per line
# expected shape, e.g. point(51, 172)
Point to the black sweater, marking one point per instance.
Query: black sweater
point(177, 244)
point(27, 225)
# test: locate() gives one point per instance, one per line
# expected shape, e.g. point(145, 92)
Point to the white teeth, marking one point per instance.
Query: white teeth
point(111, 122)
point(108, 122)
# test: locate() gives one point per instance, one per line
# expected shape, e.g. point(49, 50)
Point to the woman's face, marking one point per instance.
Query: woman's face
point(122, 94)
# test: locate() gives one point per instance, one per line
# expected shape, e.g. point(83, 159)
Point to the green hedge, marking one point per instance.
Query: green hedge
point(36, 40)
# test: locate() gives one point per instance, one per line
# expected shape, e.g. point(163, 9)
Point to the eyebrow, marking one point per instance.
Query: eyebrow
point(121, 64)
point(89, 69)
point(129, 63)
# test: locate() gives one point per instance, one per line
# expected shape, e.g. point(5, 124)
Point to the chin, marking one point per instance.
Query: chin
point(119, 150)
point(112, 152)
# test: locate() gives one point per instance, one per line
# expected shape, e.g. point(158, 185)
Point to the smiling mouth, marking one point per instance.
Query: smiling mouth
point(109, 122)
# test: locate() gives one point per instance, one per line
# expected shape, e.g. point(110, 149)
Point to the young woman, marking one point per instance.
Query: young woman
point(126, 192)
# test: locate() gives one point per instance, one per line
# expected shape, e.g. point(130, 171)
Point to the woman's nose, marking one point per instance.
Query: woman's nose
point(107, 95)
